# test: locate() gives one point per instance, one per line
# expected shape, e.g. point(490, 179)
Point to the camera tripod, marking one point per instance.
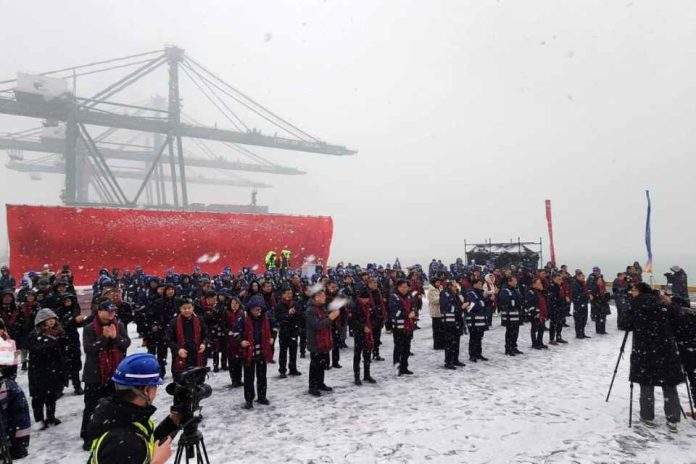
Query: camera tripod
point(194, 445)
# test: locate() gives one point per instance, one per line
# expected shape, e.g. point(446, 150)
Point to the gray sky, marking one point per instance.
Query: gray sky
point(467, 114)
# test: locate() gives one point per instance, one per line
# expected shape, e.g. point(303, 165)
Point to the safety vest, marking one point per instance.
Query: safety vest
point(147, 433)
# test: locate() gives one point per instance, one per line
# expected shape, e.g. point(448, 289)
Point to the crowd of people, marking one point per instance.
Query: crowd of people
point(244, 322)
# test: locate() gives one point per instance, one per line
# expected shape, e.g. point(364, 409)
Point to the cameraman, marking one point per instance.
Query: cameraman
point(121, 430)
point(680, 286)
point(654, 358)
point(686, 341)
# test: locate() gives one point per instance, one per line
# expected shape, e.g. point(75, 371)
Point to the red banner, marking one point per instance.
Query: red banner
point(91, 238)
point(549, 222)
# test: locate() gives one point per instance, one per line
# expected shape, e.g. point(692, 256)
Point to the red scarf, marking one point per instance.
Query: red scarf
point(323, 335)
point(541, 301)
point(180, 363)
point(406, 304)
point(9, 318)
point(366, 305)
point(232, 318)
point(265, 348)
point(109, 356)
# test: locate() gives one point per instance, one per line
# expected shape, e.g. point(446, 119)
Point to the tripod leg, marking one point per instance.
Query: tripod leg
point(205, 453)
point(688, 393)
point(179, 449)
point(630, 408)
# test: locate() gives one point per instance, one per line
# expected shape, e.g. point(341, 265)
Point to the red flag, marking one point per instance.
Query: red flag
point(549, 222)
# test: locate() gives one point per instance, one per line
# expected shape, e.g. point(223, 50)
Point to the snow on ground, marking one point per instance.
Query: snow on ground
point(543, 407)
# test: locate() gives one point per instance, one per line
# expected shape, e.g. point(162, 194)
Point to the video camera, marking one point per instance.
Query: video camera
point(188, 389)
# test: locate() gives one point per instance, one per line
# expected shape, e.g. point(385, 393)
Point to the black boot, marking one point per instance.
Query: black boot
point(358, 382)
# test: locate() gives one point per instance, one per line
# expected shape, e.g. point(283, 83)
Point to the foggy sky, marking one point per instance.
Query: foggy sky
point(466, 114)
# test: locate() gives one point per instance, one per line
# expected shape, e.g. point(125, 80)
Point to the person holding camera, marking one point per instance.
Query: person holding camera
point(680, 285)
point(256, 334)
point(319, 340)
point(121, 430)
point(188, 338)
point(685, 334)
point(105, 342)
point(654, 357)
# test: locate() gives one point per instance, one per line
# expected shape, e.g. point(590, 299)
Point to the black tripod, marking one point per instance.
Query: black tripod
point(616, 369)
point(192, 442)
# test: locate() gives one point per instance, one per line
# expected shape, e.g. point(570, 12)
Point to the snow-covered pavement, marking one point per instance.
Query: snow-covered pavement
point(542, 407)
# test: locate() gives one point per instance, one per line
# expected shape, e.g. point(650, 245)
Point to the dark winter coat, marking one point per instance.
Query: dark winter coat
point(476, 315)
point(72, 351)
point(289, 324)
point(680, 286)
point(622, 300)
point(686, 338)
point(600, 297)
point(17, 325)
point(124, 443)
point(654, 357)
point(15, 418)
point(94, 345)
point(555, 303)
point(450, 309)
point(511, 307)
point(46, 364)
point(153, 320)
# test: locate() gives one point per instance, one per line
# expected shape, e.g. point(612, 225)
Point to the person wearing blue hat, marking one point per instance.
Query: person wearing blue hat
point(121, 429)
point(105, 342)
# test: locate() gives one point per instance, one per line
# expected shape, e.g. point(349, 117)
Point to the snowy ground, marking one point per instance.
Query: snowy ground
point(543, 407)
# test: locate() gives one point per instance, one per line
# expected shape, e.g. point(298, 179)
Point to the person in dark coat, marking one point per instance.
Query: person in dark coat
point(29, 307)
point(46, 367)
point(620, 289)
point(403, 318)
point(337, 325)
point(476, 320)
point(14, 411)
point(360, 321)
point(599, 298)
point(679, 281)
point(235, 354)
point(289, 316)
point(451, 308)
point(654, 357)
point(581, 299)
point(556, 306)
point(15, 319)
point(209, 311)
point(256, 335)
point(379, 316)
point(538, 312)
point(105, 342)
point(6, 279)
point(70, 320)
point(686, 341)
point(511, 313)
point(319, 340)
point(187, 337)
point(154, 320)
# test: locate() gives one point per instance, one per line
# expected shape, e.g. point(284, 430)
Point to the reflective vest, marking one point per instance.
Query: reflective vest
point(147, 433)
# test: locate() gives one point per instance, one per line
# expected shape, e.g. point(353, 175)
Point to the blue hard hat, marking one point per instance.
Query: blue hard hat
point(138, 370)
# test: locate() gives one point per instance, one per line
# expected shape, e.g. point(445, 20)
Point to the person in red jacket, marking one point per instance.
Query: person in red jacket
point(319, 340)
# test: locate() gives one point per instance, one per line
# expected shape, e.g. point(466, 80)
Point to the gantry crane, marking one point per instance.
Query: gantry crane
point(85, 155)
